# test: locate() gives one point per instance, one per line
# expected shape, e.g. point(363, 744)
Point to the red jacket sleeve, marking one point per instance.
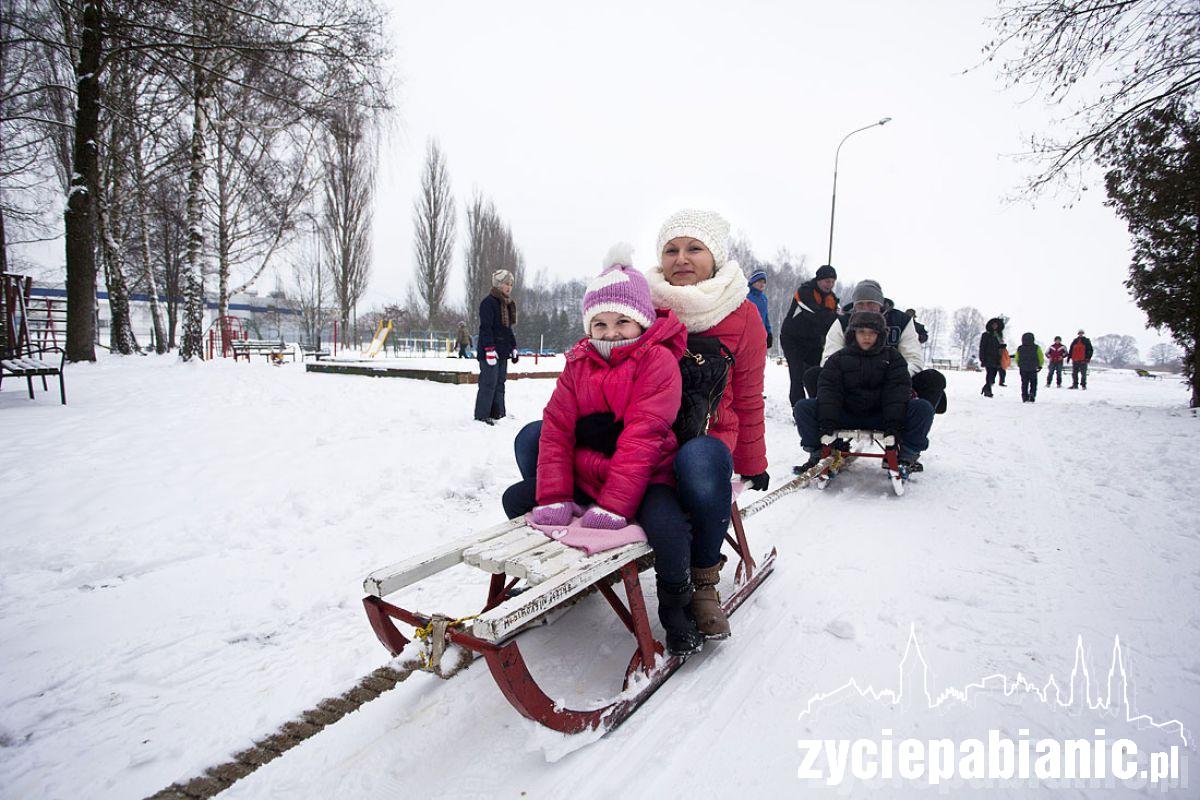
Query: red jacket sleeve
point(657, 388)
point(556, 449)
point(750, 455)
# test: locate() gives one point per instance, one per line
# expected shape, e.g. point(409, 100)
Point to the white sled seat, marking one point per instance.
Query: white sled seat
point(511, 548)
point(395, 577)
point(574, 576)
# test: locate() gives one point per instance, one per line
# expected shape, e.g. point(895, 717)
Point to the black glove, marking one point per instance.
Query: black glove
point(759, 482)
point(514, 357)
point(599, 432)
point(770, 340)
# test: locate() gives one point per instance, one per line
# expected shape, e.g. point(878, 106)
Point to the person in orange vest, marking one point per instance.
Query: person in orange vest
point(1055, 356)
point(1079, 354)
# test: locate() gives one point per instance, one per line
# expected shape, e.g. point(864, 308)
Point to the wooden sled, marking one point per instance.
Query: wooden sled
point(833, 462)
point(556, 575)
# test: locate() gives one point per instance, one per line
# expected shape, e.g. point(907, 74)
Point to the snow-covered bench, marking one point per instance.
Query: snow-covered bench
point(28, 367)
point(261, 347)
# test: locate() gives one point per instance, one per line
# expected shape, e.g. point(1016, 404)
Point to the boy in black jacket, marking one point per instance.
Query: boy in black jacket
point(866, 385)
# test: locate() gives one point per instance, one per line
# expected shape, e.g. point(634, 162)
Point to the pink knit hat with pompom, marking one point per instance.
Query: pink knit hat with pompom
point(619, 288)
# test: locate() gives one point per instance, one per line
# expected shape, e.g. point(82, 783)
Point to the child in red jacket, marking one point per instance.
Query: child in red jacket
point(606, 438)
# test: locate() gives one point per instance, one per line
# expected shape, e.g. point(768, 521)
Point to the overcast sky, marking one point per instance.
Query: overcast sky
point(589, 123)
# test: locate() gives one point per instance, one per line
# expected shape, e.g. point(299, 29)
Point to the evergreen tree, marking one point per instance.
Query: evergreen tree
point(1153, 182)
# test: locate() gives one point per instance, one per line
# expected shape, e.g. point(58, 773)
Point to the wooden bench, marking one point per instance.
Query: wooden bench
point(943, 363)
point(556, 575)
point(29, 367)
point(307, 351)
point(261, 347)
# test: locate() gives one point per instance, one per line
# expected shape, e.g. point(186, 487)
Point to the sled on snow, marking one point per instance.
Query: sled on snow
point(556, 576)
point(834, 461)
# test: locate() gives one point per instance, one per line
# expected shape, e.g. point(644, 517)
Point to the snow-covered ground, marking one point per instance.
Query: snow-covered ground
point(184, 545)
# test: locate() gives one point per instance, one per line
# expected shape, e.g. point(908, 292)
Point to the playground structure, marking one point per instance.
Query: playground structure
point(28, 338)
point(382, 330)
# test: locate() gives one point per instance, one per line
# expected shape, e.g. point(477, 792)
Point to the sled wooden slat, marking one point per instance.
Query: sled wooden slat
point(394, 577)
point(532, 565)
point(549, 567)
point(504, 619)
point(496, 559)
point(475, 554)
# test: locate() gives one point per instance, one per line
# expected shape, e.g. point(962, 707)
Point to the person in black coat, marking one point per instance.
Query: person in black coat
point(865, 385)
point(814, 308)
point(990, 343)
point(495, 346)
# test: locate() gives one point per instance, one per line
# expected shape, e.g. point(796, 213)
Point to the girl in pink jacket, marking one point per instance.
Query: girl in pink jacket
point(605, 441)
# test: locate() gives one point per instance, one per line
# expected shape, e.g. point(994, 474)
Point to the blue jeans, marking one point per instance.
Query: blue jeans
point(913, 440)
point(660, 514)
point(703, 469)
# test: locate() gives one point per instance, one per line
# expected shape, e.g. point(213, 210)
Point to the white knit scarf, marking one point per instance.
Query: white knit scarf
point(703, 305)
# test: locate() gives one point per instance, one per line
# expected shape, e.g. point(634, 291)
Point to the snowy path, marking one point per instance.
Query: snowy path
point(183, 562)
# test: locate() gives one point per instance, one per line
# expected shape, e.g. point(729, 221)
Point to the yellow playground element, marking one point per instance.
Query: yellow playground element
point(382, 329)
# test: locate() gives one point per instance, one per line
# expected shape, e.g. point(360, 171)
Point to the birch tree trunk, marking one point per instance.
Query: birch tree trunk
point(156, 316)
point(192, 339)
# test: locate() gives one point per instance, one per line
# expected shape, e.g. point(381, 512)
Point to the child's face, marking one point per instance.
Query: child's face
point(614, 327)
point(865, 337)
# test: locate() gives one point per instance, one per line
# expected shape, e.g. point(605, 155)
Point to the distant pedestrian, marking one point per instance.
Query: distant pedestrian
point(756, 295)
point(1055, 356)
point(990, 343)
point(802, 333)
point(463, 340)
point(1005, 362)
point(497, 344)
point(1080, 354)
point(1029, 361)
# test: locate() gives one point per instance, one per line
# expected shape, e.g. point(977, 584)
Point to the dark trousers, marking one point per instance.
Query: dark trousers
point(1003, 374)
point(462, 350)
point(489, 401)
point(913, 440)
point(990, 378)
point(1055, 371)
point(799, 363)
point(1029, 384)
point(668, 529)
point(1078, 374)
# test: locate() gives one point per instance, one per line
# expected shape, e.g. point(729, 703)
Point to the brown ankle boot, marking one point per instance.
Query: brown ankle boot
point(706, 604)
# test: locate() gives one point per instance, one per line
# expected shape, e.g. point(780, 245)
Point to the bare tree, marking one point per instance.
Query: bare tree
point(1141, 54)
point(434, 220)
point(490, 247)
point(966, 327)
point(934, 320)
point(1115, 350)
point(309, 293)
point(348, 160)
point(1165, 354)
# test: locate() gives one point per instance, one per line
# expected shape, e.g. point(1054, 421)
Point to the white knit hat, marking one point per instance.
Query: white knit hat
point(707, 226)
point(502, 276)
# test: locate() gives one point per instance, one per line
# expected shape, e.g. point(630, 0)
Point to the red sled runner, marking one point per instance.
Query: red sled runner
point(556, 575)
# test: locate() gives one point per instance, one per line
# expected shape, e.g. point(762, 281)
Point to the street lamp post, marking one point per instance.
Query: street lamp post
point(836, 155)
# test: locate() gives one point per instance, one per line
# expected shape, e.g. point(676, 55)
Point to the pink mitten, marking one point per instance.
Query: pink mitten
point(597, 518)
point(555, 513)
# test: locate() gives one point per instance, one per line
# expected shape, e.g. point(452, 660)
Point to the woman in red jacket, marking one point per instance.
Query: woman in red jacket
point(706, 290)
point(606, 437)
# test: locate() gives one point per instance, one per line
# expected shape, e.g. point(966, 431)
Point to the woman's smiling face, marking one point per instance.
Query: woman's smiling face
point(686, 261)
